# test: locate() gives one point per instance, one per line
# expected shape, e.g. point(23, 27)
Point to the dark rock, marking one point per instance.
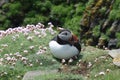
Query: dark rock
point(114, 26)
point(118, 28)
point(112, 44)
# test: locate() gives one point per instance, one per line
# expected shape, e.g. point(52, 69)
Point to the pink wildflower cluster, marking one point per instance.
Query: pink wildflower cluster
point(39, 29)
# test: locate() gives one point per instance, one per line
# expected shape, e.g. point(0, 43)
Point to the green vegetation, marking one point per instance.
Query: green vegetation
point(114, 14)
point(60, 76)
point(100, 20)
point(18, 47)
point(20, 54)
point(89, 19)
point(61, 13)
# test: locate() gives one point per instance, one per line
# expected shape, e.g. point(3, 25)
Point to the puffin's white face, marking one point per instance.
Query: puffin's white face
point(65, 35)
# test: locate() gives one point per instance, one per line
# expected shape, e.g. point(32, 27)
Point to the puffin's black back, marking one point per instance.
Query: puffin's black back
point(78, 46)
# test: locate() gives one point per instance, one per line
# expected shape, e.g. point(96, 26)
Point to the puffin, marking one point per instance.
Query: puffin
point(65, 45)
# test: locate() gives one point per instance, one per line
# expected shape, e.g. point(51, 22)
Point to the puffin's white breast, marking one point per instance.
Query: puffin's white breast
point(62, 51)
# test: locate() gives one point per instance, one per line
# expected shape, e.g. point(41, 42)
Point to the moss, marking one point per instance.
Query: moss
point(89, 41)
point(73, 24)
point(118, 37)
point(2, 18)
point(102, 10)
point(96, 31)
point(114, 14)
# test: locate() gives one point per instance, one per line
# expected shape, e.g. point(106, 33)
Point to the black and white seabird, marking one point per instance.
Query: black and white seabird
point(65, 45)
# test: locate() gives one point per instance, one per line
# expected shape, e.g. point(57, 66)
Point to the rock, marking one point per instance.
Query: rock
point(112, 44)
point(116, 61)
point(32, 74)
point(100, 14)
point(2, 2)
point(114, 26)
point(118, 27)
point(105, 24)
point(114, 53)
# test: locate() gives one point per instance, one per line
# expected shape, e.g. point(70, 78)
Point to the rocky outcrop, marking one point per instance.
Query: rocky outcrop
point(2, 2)
point(98, 25)
point(115, 54)
point(30, 75)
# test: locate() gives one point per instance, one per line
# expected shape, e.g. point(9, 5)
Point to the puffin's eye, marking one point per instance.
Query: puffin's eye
point(65, 33)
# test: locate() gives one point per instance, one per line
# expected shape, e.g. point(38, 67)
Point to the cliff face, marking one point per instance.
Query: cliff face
point(100, 24)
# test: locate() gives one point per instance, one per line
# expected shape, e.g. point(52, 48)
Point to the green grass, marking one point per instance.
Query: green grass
point(59, 76)
point(99, 59)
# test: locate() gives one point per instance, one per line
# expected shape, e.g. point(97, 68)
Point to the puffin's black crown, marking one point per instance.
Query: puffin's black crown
point(64, 30)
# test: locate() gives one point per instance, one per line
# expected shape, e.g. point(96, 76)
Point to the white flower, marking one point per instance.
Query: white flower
point(14, 64)
point(24, 59)
point(96, 75)
point(25, 51)
point(8, 58)
point(4, 45)
point(108, 70)
point(41, 25)
point(19, 56)
point(40, 47)
point(17, 35)
point(13, 38)
point(45, 48)
point(41, 63)
point(80, 60)
point(39, 52)
point(53, 60)
point(39, 36)
point(1, 63)
point(1, 59)
point(21, 44)
point(37, 60)
point(5, 73)
point(102, 73)
point(18, 76)
point(30, 38)
point(89, 64)
point(17, 53)
point(96, 60)
point(25, 62)
point(43, 32)
point(36, 32)
point(38, 26)
point(26, 34)
point(13, 59)
point(6, 55)
point(50, 24)
point(11, 54)
point(32, 47)
point(31, 65)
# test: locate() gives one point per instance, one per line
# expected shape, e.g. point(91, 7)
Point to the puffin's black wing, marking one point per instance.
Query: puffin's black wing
point(77, 45)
